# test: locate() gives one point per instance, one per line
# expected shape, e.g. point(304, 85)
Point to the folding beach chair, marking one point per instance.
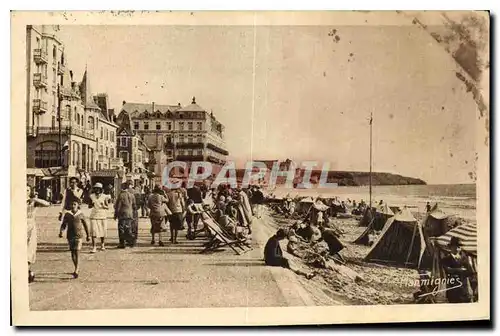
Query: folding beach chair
point(221, 238)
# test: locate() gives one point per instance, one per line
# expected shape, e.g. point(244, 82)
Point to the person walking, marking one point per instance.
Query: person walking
point(74, 222)
point(156, 204)
point(124, 213)
point(139, 201)
point(99, 203)
point(176, 201)
point(258, 201)
point(145, 197)
point(31, 202)
point(49, 194)
point(73, 193)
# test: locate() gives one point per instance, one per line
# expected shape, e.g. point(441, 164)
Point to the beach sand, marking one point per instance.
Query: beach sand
point(380, 284)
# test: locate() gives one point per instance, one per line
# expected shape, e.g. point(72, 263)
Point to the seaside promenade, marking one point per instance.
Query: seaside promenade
point(174, 276)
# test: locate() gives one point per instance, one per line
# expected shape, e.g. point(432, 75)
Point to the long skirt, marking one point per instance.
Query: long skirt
point(98, 227)
point(156, 223)
point(32, 241)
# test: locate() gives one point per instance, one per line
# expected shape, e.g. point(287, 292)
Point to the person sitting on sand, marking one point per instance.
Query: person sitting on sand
point(294, 239)
point(273, 255)
point(316, 234)
point(331, 238)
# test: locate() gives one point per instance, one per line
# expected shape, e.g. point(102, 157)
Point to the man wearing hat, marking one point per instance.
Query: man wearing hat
point(99, 203)
point(125, 207)
point(458, 271)
point(71, 194)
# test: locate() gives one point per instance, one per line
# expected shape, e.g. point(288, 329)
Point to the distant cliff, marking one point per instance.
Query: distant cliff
point(346, 178)
point(363, 178)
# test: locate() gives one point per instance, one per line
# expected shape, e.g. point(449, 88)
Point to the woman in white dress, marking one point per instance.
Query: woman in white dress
point(99, 203)
point(31, 202)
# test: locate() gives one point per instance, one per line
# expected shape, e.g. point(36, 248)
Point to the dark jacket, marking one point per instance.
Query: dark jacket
point(257, 197)
point(195, 194)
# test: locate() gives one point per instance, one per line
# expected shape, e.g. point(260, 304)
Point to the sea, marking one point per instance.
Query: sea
point(455, 199)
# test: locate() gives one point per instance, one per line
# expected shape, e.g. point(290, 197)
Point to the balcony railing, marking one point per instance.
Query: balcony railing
point(190, 145)
point(39, 80)
point(64, 130)
point(189, 157)
point(40, 56)
point(213, 159)
point(169, 144)
point(39, 106)
point(217, 149)
point(61, 67)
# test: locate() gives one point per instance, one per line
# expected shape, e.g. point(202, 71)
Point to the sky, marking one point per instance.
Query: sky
point(296, 92)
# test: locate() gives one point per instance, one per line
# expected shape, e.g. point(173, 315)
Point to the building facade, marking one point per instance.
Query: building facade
point(177, 133)
point(63, 118)
point(106, 137)
point(137, 157)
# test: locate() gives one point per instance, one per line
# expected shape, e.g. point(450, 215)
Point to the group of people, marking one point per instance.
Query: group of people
point(166, 209)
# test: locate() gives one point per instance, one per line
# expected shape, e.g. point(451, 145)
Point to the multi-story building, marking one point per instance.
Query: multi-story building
point(173, 132)
point(45, 65)
point(62, 117)
point(106, 137)
point(138, 159)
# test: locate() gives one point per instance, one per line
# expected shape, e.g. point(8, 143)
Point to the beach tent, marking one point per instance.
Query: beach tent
point(401, 241)
point(320, 206)
point(305, 204)
point(437, 222)
point(382, 215)
point(466, 234)
point(367, 217)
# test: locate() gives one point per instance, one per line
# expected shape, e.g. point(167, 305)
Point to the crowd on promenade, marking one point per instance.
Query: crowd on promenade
point(85, 214)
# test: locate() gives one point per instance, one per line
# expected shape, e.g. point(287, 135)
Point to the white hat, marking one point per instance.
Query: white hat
point(98, 185)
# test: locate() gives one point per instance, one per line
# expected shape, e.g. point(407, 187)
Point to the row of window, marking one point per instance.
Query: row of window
point(106, 134)
point(107, 151)
point(123, 141)
point(189, 152)
point(190, 126)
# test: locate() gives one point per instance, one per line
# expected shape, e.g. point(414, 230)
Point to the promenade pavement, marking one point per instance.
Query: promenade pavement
point(173, 276)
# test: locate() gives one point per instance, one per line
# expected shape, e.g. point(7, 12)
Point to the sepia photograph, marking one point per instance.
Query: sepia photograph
point(238, 168)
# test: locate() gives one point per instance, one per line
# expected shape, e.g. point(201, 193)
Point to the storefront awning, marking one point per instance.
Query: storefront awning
point(104, 173)
point(35, 172)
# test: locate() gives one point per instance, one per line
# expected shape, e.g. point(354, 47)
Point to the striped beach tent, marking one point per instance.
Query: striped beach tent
point(466, 234)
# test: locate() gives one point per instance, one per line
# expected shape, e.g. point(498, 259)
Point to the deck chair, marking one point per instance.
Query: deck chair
point(220, 238)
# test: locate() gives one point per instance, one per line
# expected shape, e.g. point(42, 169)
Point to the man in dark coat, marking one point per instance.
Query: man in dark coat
point(125, 208)
point(458, 272)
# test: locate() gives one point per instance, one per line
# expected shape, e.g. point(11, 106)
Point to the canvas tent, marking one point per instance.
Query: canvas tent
point(401, 241)
point(437, 222)
point(377, 223)
point(305, 204)
point(367, 217)
point(467, 236)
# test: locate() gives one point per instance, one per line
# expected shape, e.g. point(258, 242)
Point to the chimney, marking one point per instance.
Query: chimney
point(179, 104)
point(194, 101)
point(153, 107)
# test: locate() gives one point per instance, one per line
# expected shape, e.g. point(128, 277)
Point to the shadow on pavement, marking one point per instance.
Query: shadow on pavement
point(241, 264)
